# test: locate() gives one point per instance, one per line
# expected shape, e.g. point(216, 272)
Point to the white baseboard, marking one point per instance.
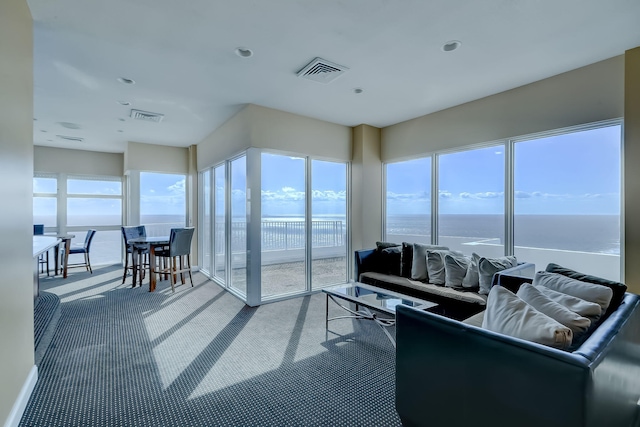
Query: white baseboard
point(21, 402)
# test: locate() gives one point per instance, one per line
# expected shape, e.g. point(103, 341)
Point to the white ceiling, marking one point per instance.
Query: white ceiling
point(181, 56)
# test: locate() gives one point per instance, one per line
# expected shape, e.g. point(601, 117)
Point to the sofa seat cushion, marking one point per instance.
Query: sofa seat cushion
point(404, 286)
point(475, 320)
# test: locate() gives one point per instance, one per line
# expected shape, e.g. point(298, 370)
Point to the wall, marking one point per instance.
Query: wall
point(584, 95)
point(261, 127)
point(80, 162)
point(17, 369)
point(631, 172)
point(156, 158)
point(366, 188)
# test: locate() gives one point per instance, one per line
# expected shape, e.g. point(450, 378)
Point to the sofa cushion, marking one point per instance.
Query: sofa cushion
point(390, 259)
point(617, 288)
point(487, 267)
point(415, 288)
point(472, 278)
point(475, 320)
point(587, 309)
point(435, 265)
point(455, 269)
point(532, 296)
point(406, 260)
point(419, 261)
point(509, 315)
point(601, 295)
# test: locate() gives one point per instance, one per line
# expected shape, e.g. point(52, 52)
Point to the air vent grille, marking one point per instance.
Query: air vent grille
point(146, 116)
point(322, 71)
point(71, 138)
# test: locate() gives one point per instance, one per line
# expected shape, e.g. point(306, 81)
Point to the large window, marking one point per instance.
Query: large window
point(283, 224)
point(408, 208)
point(562, 205)
point(206, 221)
point(471, 201)
point(328, 223)
point(45, 201)
point(162, 202)
point(219, 223)
point(567, 200)
point(239, 224)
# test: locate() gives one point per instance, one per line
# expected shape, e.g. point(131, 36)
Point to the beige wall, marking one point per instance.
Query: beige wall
point(588, 94)
point(156, 158)
point(631, 172)
point(233, 137)
point(261, 127)
point(366, 188)
point(16, 215)
point(80, 162)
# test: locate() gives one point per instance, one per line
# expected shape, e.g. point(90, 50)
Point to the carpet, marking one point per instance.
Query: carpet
point(200, 357)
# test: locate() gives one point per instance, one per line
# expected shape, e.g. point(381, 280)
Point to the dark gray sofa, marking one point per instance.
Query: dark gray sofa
point(456, 304)
point(449, 373)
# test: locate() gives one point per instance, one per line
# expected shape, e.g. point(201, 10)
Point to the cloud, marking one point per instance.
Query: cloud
point(444, 194)
point(524, 195)
point(422, 195)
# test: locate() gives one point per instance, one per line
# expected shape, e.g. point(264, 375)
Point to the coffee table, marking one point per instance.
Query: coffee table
point(368, 298)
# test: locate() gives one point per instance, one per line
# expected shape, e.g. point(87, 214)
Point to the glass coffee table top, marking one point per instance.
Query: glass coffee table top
point(375, 298)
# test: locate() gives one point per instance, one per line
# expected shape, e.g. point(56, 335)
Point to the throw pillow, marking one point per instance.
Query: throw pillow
point(587, 309)
point(419, 262)
point(601, 295)
point(435, 265)
point(455, 269)
point(406, 260)
point(380, 246)
point(509, 315)
point(390, 260)
point(617, 288)
point(487, 267)
point(472, 279)
point(532, 296)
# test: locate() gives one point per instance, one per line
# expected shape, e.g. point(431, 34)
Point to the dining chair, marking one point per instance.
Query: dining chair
point(43, 259)
point(177, 255)
point(132, 232)
point(84, 249)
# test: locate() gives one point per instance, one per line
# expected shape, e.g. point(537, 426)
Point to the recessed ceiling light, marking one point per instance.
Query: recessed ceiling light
point(50, 140)
point(124, 103)
point(358, 90)
point(450, 46)
point(35, 120)
point(43, 131)
point(244, 52)
point(69, 125)
point(121, 119)
point(126, 81)
point(120, 130)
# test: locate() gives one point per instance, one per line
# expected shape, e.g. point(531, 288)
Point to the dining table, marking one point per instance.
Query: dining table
point(153, 243)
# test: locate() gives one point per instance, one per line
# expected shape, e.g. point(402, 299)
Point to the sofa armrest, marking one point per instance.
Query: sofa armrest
point(512, 278)
point(450, 373)
point(365, 261)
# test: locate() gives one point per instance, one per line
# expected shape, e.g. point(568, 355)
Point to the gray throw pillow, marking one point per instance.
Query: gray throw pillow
point(435, 265)
point(419, 262)
point(587, 309)
point(599, 294)
point(487, 267)
point(472, 278)
point(455, 269)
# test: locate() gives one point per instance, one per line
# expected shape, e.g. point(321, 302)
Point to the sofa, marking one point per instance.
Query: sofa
point(452, 373)
point(371, 268)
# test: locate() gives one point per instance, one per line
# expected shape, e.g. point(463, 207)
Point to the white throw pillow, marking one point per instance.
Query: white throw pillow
point(455, 269)
point(472, 279)
point(509, 315)
point(587, 309)
point(487, 267)
point(419, 261)
point(601, 295)
point(532, 296)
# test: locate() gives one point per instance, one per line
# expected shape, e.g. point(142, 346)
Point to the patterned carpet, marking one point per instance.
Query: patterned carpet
point(200, 357)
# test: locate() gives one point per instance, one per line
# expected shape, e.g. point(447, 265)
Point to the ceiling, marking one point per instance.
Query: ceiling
point(181, 55)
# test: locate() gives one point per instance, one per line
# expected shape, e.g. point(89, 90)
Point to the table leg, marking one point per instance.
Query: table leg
point(152, 267)
point(67, 248)
point(56, 259)
point(326, 314)
point(134, 261)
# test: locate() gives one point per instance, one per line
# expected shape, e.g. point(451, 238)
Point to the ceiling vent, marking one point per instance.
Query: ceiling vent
point(71, 138)
point(146, 116)
point(322, 71)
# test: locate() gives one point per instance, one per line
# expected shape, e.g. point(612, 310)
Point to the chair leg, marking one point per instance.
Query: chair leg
point(88, 261)
point(181, 269)
point(126, 266)
point(189, 265)
point(173, 274)
point(46, 256)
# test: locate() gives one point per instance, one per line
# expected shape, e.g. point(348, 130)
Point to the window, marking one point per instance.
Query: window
point(239, 224)
point(328, 223)
point(162, 202)
point(219, 224)
point(408, 201)
point(45, 201)
point(471, 201)
point(206, 221)
point(96, 203)
point(283, 225)
point(567, 200)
